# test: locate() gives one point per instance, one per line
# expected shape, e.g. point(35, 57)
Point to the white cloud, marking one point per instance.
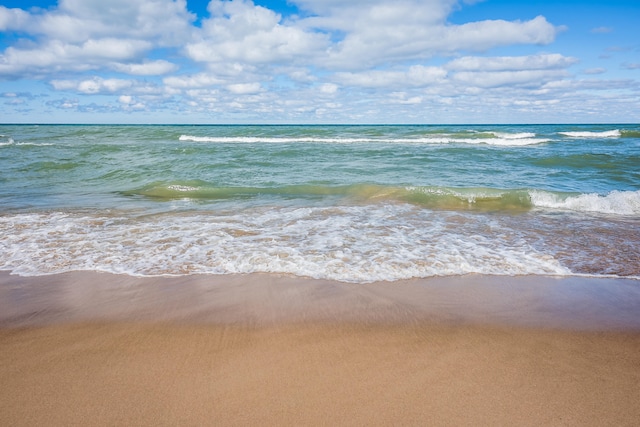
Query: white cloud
point(328, 88)
point(146, 68)
point(574, 86)
point(166, 21)
point(85, 35)
point(109, 48)
point(403, 98)
point(55, 55)
point(416, 75)
point(511, 63)
point(338, 60)
point(129, 103)
point(200, 80)
point(378, 32)
point(92, 86)
point(492, 79)
point(13, 19)
point(484, 35)
point(239, 31)
point(244, 88)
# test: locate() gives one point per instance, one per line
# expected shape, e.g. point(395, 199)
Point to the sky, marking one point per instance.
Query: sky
point(319, 61)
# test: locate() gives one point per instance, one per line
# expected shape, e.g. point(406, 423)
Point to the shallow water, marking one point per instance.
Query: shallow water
point(349, 203)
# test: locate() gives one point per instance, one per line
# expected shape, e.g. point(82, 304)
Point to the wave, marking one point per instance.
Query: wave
point(11, 142)
point(629, 133)
point(432, 197)
point(488, 138)
point(7, 141)
point(518, 135)
point(346, 243)
point(616, 202)
point(588, 134)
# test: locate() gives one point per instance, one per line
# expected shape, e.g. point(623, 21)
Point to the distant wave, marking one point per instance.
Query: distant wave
point(10, 142)
point(7, 141)
point(276, 140)
point(490, 138)
point(586, 134)
point(519, 135)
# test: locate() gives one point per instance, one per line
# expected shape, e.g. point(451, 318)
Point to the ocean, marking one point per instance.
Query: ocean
point(347, 203)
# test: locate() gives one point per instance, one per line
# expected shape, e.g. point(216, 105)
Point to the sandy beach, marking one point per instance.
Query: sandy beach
point(101, 349)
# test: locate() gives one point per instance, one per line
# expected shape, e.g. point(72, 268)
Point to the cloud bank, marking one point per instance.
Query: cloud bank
point(332, 61)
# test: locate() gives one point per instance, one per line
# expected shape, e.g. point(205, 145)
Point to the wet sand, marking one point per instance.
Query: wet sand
point(101, 349)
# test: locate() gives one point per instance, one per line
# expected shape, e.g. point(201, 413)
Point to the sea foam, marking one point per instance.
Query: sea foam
point(616, 202)
point(351, 244)
point(501, 139)
point(588, 134)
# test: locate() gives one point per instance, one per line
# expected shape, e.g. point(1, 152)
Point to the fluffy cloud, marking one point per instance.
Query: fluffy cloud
point(166, 21)
point(239, 31)
point(511, 63)
point(83, 35)
point(146, 68)
point(385, 32)
point(334, 61)
point(92, 86)
point(13, 19)
point(416, 75)
point(54, 56)
point(244, 88)
point(201, 80)
point(489, 79)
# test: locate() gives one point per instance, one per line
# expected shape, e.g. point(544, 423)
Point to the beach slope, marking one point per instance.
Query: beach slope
point(100, 349)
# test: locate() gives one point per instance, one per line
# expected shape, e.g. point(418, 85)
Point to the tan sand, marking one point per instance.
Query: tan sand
point(94, 349)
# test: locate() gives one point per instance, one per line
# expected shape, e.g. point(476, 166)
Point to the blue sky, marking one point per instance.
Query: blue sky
point(319, 61)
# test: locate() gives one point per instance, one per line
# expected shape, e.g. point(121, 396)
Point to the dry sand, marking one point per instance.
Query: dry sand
point(99, 349)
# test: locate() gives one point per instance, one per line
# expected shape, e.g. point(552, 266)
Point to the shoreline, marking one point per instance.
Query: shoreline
point(575, 303)
point(103, 349)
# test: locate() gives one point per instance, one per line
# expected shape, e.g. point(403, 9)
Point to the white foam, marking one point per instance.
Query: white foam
point(520, 135)
point(515, 142)
point(501, 139)
point(10, 141)
point(584, 134)
point(273, 140)
point(182, 188)
point(351, 244)
point(616, 202)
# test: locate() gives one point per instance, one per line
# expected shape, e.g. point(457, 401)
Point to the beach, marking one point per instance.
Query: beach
point(320, 275)
point(103, 349)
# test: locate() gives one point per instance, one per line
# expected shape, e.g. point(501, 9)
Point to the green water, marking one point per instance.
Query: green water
point(535, 199)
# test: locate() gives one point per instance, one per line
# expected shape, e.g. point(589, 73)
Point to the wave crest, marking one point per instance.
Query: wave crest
point(430, 197)
point(616, 202)
point(587, 134)
point(491, 138)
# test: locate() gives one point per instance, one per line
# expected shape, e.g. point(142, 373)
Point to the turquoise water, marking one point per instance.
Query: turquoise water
point(350, 203)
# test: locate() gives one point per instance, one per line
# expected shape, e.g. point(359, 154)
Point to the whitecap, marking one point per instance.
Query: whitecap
point(586, 134)
point(520, 139)
point(616, 202)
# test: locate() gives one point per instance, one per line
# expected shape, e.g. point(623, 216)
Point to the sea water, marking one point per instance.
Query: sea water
point(347, 203)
